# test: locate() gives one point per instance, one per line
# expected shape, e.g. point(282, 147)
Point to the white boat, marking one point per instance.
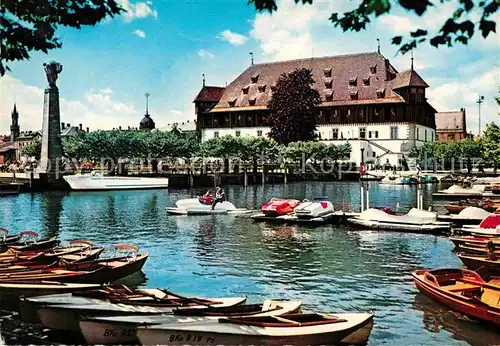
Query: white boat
point(97, 181)
point(305, 329)
point(68, 316)
point(12, 290)
point(115, 330)
point(318, 207)
point(469, 215)
point(489, 227)
point(456, 191)
point(416, 220)
point(193, 206)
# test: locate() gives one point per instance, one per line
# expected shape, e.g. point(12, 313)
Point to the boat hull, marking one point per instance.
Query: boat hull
point(123, 331)
point(64, 317)
point(478, 310)
point(217, 334)
point(89, 182)
point(438, 227)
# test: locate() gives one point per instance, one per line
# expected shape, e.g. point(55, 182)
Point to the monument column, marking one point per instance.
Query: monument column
point(50, 159)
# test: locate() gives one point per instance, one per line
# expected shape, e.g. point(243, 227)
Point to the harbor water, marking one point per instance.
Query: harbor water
point(332, 268)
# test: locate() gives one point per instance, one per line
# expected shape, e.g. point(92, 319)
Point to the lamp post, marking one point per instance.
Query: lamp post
point(480, 100)
point(362, 155)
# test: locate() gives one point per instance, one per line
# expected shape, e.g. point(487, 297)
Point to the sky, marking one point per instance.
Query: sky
point(164, 46)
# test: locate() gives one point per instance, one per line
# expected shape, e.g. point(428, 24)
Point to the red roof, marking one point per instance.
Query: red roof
point(346, 79)
point(210, 94)
point(408, 78)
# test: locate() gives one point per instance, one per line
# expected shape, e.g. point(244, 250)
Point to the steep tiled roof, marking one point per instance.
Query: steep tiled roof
point(451, 121)
point(408, 78)
point(337, 78)
point(210, 94)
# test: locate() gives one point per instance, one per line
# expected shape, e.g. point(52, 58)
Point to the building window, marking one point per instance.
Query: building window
point(376, 134)
point(353, 81)
point(425, 133)
point(362, 132)
point(329, 96)
point(262, 88)
point(373, 69)
point(381, 93)
point(451, 137)
point(254, 78)
point(354, 95)
point(328, 84)
point(366, 81)
point(335, 134)
point(251, 102)
point(369, 134)
point(216, 134)
point(238, 133)
point(259, 133)
point(327, 72)
point(394, 132)
point(418, 134)
point(245, 90)
point(232, 103)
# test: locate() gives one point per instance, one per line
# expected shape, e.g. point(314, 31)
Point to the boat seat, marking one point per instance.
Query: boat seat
point(491, 297)
point(461, 286)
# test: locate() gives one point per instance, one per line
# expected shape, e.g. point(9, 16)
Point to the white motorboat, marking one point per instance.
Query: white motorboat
point(416, 220)
point(318, 207)
point(96, 181)
point(456, 191)
point(193, 206)
point(116, 330)
point(293, 329)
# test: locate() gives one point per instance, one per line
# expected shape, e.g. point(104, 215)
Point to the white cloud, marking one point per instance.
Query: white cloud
point(97, 110)
point(205, 54)
point(232, 37)
point(139, 33)
point(399, 24)
point(176, 112)
point(137, 10)
point(454, 95)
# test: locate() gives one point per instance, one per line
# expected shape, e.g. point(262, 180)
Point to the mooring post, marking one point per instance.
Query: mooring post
point(263, 174)
point(285, 176)
point(362, 198)
point(245, 177)
point(367, 198)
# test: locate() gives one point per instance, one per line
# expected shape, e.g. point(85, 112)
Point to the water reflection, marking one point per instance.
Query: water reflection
point(331, 268)
point(437, 317)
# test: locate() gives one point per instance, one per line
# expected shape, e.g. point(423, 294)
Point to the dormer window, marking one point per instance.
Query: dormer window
point(328, 83)
point(254, 78)
point(327, 72)
point(273, 87)
point(251, 101)
point(353, 81)
point(262, 88)
point(232, 103)
point(373, 69)
point(245, 90)
point(366, 81)
point(381, 93)
point(354, 95)
point(329, 95)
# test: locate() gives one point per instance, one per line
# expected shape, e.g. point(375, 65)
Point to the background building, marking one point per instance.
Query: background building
point(365, 101)
point(451, 126)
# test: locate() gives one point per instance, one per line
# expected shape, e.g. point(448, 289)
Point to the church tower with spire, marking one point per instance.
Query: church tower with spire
point(14, 127)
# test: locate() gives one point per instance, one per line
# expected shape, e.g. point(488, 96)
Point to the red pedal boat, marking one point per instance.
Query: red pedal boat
point(462, 290)
point(279, 206)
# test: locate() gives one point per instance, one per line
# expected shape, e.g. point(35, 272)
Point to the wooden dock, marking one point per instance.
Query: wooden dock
point(334, 217)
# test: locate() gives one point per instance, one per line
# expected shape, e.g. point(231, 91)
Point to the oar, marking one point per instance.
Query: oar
point(194, 300)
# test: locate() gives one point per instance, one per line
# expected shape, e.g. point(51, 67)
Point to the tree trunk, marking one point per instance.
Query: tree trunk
point(469, 165)
point(226, 166)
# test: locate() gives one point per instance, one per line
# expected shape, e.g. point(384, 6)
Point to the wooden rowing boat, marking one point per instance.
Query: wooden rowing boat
point(462, 290)
point(29, 241)
point(67, 316)
point(290, 329)
point(486, 263)
point(472, 240)
point(122, 329)
point(10, 291)
point(82, 272)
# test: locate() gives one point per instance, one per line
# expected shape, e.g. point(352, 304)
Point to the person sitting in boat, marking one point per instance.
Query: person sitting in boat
point(220, 196)
point(207, 198)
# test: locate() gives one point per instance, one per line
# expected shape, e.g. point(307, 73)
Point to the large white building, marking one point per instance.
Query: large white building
point(381, 112)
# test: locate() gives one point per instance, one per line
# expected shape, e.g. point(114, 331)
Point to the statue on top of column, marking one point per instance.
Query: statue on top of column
point(52, 69)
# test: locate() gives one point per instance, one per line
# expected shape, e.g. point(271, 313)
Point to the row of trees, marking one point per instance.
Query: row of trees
point(118, 144)
point(484, 150)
